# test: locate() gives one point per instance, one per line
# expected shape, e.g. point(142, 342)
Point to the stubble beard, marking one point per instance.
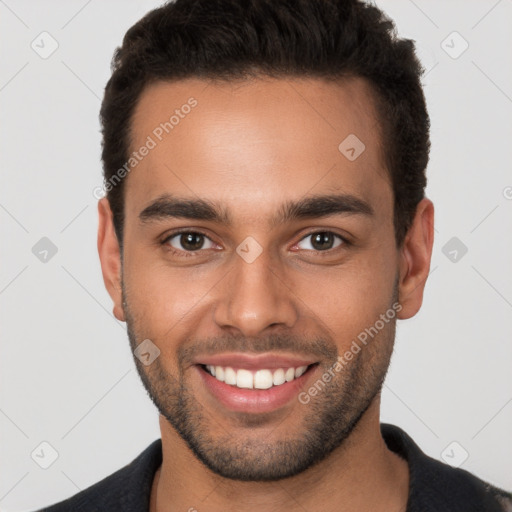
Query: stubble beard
point(327, 419)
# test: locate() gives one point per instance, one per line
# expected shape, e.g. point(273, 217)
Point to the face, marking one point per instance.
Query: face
point(253, 241)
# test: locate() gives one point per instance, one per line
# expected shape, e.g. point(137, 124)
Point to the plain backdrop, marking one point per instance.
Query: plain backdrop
point(67, 375)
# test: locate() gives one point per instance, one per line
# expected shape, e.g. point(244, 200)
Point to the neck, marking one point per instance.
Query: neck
point(361, 474)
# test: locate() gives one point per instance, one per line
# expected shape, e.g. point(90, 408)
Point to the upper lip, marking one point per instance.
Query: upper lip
point(244, 360)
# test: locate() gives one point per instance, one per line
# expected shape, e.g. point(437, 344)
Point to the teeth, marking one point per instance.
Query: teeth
point(230, 376)
point(290, 374)
point(278, 377)
point(299, 371)
point(217, 372)
point(244, 379)
point(261, 379)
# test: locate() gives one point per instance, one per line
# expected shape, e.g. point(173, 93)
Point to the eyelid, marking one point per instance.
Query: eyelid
point(314, 231)
point(182, 231)
point(344, 239)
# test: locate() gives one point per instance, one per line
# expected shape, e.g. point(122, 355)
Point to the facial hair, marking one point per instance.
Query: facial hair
point(328, 418)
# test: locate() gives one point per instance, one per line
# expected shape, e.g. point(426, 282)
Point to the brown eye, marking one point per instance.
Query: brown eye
point(323, 241)
point(188, 241)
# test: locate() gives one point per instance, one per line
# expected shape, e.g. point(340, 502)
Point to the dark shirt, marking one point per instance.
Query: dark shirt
point(433, 486)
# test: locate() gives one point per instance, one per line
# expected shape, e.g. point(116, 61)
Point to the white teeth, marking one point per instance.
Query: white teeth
point(230, 376)
point(278, 377)
point(300, 370)
point(219, 373)
point(290, 374)
point(261, 379)
point(244, 379)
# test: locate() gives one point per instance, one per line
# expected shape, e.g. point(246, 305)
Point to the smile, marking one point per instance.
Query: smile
point(259, 379)
point(258, 390)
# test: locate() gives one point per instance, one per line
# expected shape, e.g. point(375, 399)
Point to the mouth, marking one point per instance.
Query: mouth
point(263, 378)
point(247, 384)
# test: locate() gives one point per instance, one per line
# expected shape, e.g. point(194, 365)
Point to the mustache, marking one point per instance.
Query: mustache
point(317, 348)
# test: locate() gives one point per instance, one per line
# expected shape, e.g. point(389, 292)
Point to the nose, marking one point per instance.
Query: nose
point(255, 296)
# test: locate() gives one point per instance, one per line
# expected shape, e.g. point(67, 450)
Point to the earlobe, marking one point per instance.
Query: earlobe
point(110, 257)
point(415, 257)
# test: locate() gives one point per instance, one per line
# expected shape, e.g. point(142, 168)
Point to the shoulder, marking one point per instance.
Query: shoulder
point(435, 486)
point(127, 489)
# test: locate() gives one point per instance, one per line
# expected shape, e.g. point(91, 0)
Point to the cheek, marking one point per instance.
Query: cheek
point(350, 298)
point(164, 299)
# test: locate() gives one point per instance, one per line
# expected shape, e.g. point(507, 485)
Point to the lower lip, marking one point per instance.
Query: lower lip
point(254, 400)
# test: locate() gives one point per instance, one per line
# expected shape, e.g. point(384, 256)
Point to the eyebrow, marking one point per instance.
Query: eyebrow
point(167, 206)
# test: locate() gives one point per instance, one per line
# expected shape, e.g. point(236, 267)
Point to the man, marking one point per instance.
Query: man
point(265, 226)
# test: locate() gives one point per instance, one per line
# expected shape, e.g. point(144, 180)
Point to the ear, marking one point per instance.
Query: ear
point(415, 256)
point(110, 256)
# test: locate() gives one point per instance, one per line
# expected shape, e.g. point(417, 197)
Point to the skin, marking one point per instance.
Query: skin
point(251, 146)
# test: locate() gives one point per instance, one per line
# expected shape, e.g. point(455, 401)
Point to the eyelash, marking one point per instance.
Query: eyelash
point(191, 254)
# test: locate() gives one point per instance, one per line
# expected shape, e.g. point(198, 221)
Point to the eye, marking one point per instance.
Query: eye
point(323, 241)
point(187, 241)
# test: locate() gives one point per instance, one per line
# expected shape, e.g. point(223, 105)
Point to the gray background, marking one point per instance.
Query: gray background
point(67, 375)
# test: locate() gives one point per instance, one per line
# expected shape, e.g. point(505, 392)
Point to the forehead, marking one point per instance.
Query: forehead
point(256, 142)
